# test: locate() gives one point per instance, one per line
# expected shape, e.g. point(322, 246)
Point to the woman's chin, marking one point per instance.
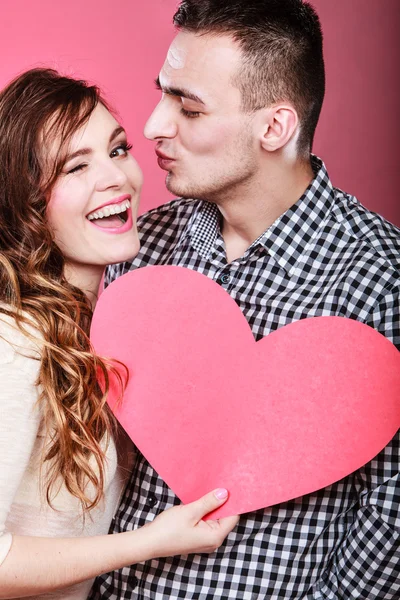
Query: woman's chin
point(124, 254)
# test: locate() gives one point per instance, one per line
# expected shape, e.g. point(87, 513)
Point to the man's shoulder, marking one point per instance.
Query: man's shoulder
point(369, 229)
point(160, 230)
point(177, 212)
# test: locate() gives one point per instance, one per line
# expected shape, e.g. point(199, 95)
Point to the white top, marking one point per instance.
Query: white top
point(23, 507)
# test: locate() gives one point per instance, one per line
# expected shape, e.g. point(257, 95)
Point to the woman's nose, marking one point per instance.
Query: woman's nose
point(110, 175)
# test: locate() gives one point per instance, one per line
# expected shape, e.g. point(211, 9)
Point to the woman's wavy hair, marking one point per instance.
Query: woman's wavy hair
point(38, 109)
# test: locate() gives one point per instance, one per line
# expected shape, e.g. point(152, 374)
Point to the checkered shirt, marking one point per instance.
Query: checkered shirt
point(327, 255)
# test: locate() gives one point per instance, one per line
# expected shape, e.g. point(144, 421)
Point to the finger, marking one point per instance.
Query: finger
point(224, 525)
point(208, 503)
point(227, 524)
point(221, 529)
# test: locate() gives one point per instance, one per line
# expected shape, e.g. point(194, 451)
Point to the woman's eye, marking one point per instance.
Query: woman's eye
point(190, 114)
point(121, 150)
point(77, 168)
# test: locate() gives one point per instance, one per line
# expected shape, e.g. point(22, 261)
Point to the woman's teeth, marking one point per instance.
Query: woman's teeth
point(112, 209)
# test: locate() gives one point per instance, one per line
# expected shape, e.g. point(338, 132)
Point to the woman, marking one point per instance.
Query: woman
point(69, 192)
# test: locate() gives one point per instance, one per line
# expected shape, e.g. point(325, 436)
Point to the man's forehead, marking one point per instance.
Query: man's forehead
point(176, 56)
point(194, 52)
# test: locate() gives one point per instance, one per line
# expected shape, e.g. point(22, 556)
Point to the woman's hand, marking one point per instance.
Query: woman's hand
point(181, 530)
point(37, 565)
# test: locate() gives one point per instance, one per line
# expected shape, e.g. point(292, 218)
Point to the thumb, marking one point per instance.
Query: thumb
point(209, 502)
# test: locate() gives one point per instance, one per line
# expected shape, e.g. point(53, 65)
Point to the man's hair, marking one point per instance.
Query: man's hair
point(281, 44)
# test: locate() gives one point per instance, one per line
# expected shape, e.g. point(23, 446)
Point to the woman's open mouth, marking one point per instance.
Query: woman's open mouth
point(112, 216)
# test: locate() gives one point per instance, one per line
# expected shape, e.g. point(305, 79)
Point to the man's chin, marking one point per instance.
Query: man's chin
point(175, 188)
point(187, 191)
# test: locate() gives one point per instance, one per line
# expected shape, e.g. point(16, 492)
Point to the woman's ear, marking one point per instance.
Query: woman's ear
point(280, 125)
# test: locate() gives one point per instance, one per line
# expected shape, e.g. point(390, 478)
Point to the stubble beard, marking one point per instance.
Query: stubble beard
point(219, 187)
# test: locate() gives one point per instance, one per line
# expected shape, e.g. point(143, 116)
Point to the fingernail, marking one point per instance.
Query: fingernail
point(221, 493)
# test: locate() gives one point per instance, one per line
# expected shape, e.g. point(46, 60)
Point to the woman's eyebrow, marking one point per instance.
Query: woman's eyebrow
point(86, 151)
point(116, 132)
point(81, 152)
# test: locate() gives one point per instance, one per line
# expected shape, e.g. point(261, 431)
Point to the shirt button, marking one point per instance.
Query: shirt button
point(152, 501)
point(226, 279)
point(133, 581)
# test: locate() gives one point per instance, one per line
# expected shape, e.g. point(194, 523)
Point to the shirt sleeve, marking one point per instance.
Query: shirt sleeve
point(366, 563)
point(385, 316)
point(19, 423)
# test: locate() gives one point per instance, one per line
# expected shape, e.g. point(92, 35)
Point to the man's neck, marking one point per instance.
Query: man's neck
point(247, 216)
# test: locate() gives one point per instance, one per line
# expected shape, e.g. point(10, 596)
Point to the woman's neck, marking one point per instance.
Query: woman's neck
point(85, 277)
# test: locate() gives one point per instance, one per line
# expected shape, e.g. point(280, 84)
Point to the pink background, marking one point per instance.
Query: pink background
point(121, 45)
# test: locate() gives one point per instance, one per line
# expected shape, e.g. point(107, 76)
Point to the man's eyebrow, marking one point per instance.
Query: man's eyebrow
point(180, 92)
point(86, 151)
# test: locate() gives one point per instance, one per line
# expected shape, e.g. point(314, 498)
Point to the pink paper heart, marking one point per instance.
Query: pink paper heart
point(210, 407)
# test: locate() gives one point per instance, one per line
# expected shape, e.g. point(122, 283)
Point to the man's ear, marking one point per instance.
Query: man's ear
point(281, 124)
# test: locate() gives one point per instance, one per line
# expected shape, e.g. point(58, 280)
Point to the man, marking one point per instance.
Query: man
point(242, 88)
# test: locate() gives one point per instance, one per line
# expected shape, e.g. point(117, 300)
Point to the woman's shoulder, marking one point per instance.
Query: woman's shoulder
point(20, 356)
point(22, 344)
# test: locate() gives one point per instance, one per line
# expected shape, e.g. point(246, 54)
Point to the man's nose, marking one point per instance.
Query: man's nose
point(110, 175)
point(161, 123)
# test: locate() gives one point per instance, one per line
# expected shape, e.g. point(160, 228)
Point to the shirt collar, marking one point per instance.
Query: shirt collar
point(288, 237)
point(203, 227)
